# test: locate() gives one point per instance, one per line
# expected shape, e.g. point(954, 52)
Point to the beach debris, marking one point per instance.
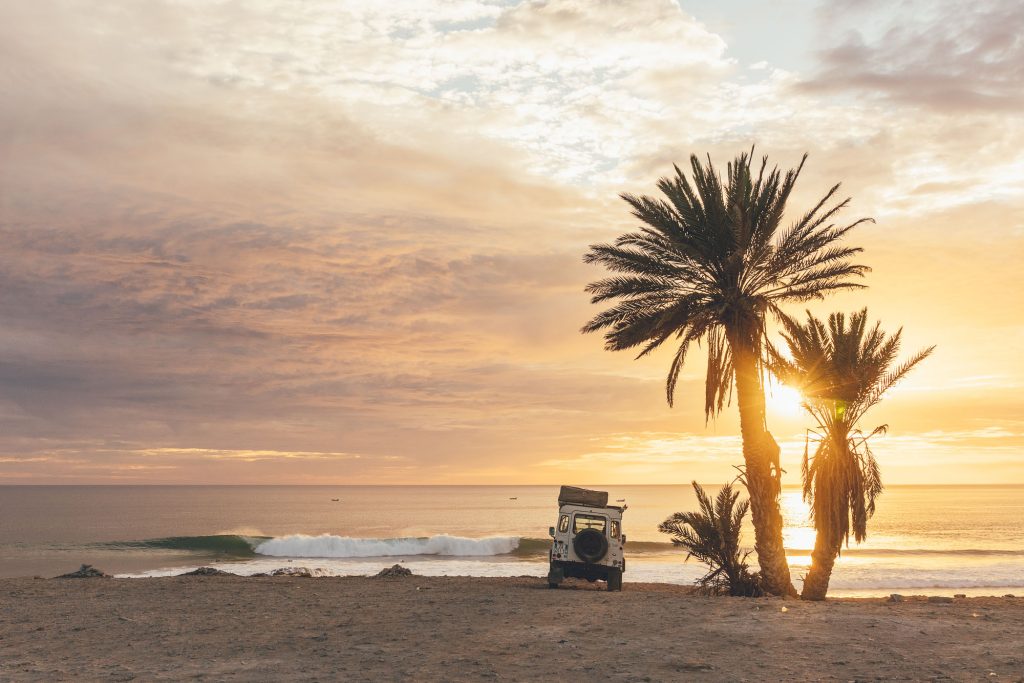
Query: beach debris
point(678, 665)
point(939, 598)
point(207, 571)
point(784, 609)
point(86, 571)
point(394, 570)
point(1009, 595)
point(895, 597)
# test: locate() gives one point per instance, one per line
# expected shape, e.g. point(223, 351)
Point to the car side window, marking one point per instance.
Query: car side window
point(615, 528)
point(563, 523)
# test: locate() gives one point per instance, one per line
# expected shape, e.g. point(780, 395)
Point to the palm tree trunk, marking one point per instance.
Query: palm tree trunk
point(761, 455)
point(823, 559)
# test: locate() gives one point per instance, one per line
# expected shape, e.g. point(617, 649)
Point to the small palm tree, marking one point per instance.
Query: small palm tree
point(842, 369)
point(713, 537)
point(709, 263)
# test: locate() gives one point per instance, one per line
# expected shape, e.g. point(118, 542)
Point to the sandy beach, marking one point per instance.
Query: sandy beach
point(416, 628)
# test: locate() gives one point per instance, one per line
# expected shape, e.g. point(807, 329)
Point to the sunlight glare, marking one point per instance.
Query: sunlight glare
point(783, 400)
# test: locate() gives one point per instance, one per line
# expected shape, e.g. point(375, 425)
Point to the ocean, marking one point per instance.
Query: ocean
point(923, 539)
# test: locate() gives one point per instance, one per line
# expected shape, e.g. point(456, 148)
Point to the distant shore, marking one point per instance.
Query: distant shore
point(434, 628)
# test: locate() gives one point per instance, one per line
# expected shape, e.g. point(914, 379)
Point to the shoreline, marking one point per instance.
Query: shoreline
point(520, 568)
point(999, 592)
point(457, 628)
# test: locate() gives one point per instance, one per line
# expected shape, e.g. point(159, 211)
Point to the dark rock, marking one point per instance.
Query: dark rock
point(86, 571)
point(960, 595)
point(394, 570)
point(895, 597)
point(302, 572)
point(208, 571)
point(1009, 595)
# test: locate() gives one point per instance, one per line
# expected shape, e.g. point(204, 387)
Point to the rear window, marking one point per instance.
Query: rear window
point(563, 523)
point(581, 522)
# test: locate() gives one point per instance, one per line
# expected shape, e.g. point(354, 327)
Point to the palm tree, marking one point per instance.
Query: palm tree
point(842, 369)
point(708, 264)
point(713, 537)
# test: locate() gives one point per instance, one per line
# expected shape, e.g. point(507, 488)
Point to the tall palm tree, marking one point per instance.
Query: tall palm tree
point(842, 370)
point(708, 263)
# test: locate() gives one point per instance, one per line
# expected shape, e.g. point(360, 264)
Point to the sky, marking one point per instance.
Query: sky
point(341, 242)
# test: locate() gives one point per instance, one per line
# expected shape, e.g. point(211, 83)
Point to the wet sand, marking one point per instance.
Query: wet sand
point(467, 629)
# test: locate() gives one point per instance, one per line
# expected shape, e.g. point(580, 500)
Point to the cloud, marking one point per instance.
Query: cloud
point(943, 55)
point(238, 237)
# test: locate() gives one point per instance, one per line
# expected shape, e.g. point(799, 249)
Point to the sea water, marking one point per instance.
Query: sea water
point(934, 539)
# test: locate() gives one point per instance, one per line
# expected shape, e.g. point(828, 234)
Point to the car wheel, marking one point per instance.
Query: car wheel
point(555, 576)
point(614, 580)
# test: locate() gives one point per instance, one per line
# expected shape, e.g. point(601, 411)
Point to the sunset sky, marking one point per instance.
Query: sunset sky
point(340, 242)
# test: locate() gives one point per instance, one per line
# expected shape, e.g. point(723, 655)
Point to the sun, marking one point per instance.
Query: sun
point(783, 400)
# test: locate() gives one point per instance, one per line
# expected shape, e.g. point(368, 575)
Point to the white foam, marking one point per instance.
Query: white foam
point(327, 545)
point(846, 580)
point(445, 555)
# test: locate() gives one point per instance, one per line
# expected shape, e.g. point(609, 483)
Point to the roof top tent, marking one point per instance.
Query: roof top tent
point(578, 496)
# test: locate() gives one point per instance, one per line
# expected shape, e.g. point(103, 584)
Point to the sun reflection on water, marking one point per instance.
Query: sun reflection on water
point(798, 532)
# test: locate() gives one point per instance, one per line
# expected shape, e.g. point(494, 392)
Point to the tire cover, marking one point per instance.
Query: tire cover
point(590, 545)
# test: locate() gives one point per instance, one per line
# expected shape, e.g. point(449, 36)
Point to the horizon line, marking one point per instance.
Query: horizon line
point(785, 486)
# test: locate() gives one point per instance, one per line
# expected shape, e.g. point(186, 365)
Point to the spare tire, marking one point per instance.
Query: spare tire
point(590, 545)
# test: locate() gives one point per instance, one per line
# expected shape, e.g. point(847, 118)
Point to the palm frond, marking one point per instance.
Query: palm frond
point(710, 259)
point(712, 536)
point(842, 366)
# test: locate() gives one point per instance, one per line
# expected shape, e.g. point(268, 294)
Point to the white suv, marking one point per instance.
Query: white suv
point(588, 540)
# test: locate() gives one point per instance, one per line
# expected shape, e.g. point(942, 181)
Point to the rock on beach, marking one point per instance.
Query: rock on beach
point(394, 570)
point(208, 571)
point(86, 571)
point(301, 572)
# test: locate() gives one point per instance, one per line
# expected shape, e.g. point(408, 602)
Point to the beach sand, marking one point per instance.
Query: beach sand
point(415, 628)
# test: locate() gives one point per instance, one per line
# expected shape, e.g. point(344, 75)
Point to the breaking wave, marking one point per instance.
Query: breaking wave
point(327, 545)
point(227, 544)
point(874, 571)
point(444, 545)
